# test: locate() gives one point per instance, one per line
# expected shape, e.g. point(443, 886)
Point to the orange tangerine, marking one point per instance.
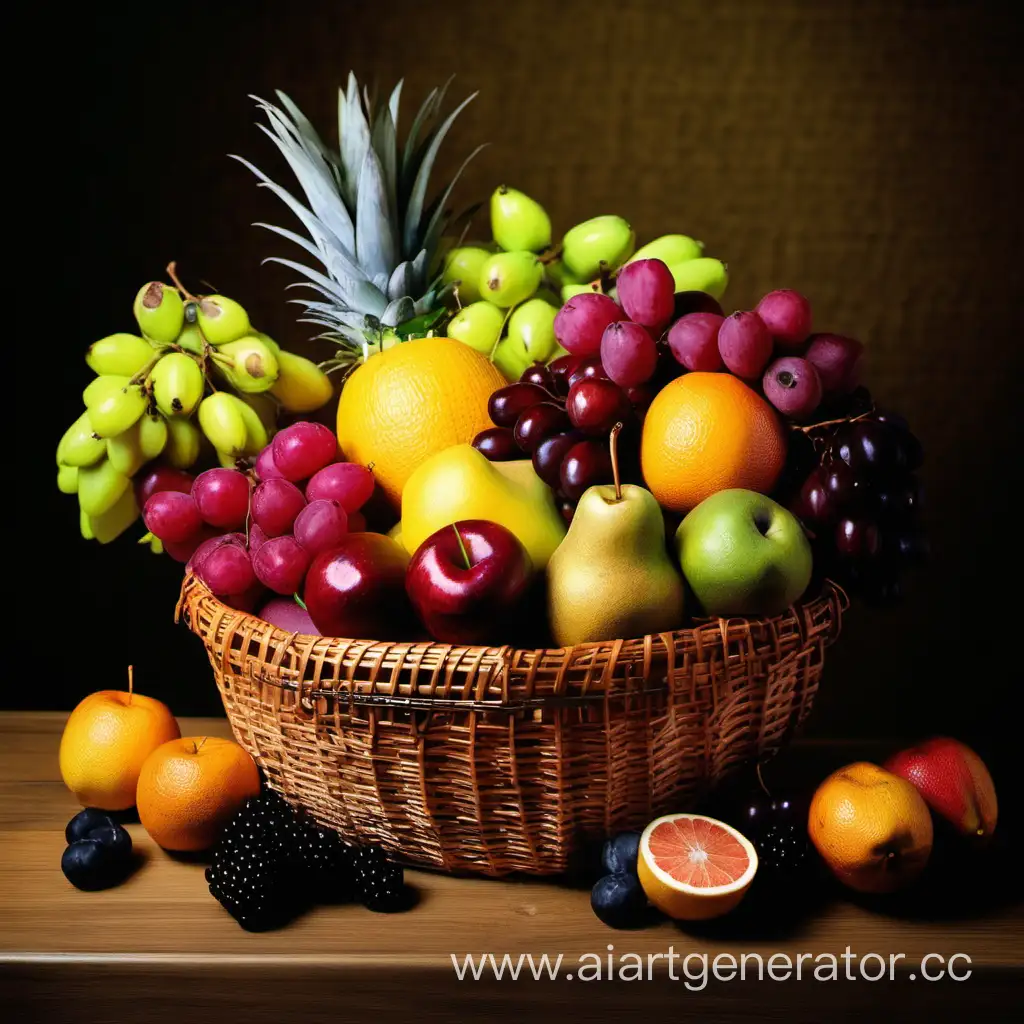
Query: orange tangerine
point(105, 742)
point(409, 402)
point(191, 787)
point(872, 828)
point(708, 432)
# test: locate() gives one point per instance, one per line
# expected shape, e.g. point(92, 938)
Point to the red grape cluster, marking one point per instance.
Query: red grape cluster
point(862, 504)
point(771, 346)
point(240, 539)
point(561, 415)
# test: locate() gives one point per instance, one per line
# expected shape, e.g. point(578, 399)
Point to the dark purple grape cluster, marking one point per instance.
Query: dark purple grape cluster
point(560, 416)
point(862, 504)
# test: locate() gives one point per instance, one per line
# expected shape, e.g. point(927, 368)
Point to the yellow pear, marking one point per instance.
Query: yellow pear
point(612, 576)
point(461, 483)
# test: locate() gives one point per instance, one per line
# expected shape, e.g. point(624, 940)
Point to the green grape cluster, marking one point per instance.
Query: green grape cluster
point(197, 384)
point(508, 291)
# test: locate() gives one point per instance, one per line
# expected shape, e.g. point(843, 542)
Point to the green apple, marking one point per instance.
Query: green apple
point(743, 554)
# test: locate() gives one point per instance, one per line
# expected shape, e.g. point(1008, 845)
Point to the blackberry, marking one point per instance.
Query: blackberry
point(250, 874)
point(379, 882)
point(328, 864)
point(783, 848)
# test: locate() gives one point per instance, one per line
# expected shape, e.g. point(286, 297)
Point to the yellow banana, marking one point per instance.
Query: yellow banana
point(116, 519)
point(248, 364)
point(123, 354)
point(125, 451)
point(265, 407)
point(67, 479)
point(155, 544)
point(113, 409)
point(152, 435)
point(100, 487)
point(301, 385)
point(79, 446)
point(177, 384)
point(256, 437)
point(222, 422)
point(183, 441)
point(99, 388)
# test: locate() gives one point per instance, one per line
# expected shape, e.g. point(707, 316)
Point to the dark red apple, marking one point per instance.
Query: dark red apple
point(954, 782)
point(468, 580)
point(357, 589)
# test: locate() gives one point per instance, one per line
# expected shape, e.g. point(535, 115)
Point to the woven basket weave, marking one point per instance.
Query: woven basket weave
point(496, 760)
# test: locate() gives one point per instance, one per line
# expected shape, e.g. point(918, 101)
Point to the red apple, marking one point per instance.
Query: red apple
point(954, 782)
point(467, 581)
point(357, 589)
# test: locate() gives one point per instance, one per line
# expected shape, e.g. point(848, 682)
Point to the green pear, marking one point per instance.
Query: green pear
point(701, 275)
point(511, 358)
point(519, 222)
point(477, 325)
point(570, 291)
point(612, 577)
point(670, 249)
point(601, 241)
point(464, 265)
point(532, 325)
point(461, 483)
point(743, 554)
point(508, 278)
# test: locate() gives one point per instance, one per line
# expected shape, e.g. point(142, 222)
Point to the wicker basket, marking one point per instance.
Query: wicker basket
point(495, 760)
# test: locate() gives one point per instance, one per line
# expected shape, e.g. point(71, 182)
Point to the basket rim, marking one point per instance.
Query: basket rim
point(498, 658)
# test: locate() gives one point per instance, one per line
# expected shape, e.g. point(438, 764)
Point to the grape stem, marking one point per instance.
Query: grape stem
point(550, 255)
point(613, 441)
point(172, 273)
point(811, 427)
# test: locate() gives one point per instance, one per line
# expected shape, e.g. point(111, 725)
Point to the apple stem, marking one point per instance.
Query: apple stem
point(462, 547)
point(197, 748)
point(760, 780)
point(613, 439)
point(131, 682)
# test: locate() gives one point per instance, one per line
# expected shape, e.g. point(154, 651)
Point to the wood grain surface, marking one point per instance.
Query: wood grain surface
point(159, 941)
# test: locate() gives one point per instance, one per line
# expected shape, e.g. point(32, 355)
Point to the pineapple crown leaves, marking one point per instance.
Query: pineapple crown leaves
point(366, 215)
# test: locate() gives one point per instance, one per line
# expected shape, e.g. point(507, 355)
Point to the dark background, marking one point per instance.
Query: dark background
point(869, 154)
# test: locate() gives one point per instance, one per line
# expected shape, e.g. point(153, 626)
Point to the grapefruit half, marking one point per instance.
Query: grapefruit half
point(693, 867)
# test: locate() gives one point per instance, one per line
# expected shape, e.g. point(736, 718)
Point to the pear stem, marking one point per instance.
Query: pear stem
point(462, 547)
point(501, 331)
point(131, 683)
point(613, 441)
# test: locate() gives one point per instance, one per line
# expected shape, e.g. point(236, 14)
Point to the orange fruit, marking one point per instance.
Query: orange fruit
point(190, 788)
point(872, 828)
point(411, 401)
point(693, 868)
point(105, 742)
point(708, 432)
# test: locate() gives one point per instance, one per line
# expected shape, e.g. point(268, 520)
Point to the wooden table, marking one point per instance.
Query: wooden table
point(159, 947)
